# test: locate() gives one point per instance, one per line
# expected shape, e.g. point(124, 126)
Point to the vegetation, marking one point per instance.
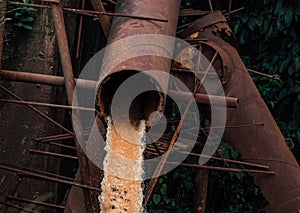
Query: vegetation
point(21, 15)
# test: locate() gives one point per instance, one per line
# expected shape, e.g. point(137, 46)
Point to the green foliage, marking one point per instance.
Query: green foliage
point(231, 191)
point(174, 191)
point(268, 33)
point(21, 15)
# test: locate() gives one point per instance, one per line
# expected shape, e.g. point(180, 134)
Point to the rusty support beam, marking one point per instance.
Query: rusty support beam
point(43, 177)
point(207, 99)
point(36, 78)
point(36, 110)
point(46, 105)
point(51, 154)
point(103, 19)
point(201, 181)
point(35, 202)
point(65, 58)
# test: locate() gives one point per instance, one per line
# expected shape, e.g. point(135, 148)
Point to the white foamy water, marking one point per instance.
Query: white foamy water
point(123, 170)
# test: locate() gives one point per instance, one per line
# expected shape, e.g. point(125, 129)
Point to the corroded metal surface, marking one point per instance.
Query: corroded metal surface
point(263, 144)
point(127, 27)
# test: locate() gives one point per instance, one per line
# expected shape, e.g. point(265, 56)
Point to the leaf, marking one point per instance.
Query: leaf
point(28, 19)
point(289, 17)
point(156, 199)
point(163, 189)
point(251, 23)
point(28, 27)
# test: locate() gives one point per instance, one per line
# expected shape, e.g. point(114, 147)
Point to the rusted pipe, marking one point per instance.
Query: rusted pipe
point(262, 144)
point(123, 28)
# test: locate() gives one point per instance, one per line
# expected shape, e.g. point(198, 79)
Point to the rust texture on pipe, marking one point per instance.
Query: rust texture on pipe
point(123, 28)
point(262, 144)
point(65, 58)
point(103, 19)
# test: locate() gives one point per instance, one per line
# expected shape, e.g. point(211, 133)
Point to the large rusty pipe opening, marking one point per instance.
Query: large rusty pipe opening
point(123, 28)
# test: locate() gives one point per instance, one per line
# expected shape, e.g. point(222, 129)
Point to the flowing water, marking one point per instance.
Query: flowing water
point(122, 183)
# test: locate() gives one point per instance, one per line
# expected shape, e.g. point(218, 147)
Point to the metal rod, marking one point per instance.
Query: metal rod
point(78, 47)
point(210, 6)
point(45, 173)
point(65, 58)
point(207, 99)
point(57, 180)
point(51, 154)
point(224, 169)
point(92, 13)
point(35, 202)
point(52, 137)
point(36, 110)
point(16, 207)
point(46, 105)
point(58, 144)
point(276, 77)
point(191, 12)
point(43, 79)
point(103, 19)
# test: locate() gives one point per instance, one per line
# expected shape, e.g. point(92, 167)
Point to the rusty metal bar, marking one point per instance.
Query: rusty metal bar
point(43, 177)
point(51, 154)
point(191, 12)
point(207, 99)
point(78, 47)
point(65, 58)
point(91, 13)
point(44, 173)
point(36, 110)
point(52, 137)
point(103, 19)
point(46, 105)
point(51, 80)
point(16, 207)
point(58, 144)
point(276, 77)
point(225, 169)
point(35, 202)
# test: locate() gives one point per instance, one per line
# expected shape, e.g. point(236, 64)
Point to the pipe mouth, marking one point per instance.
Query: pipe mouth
point(143, 101)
